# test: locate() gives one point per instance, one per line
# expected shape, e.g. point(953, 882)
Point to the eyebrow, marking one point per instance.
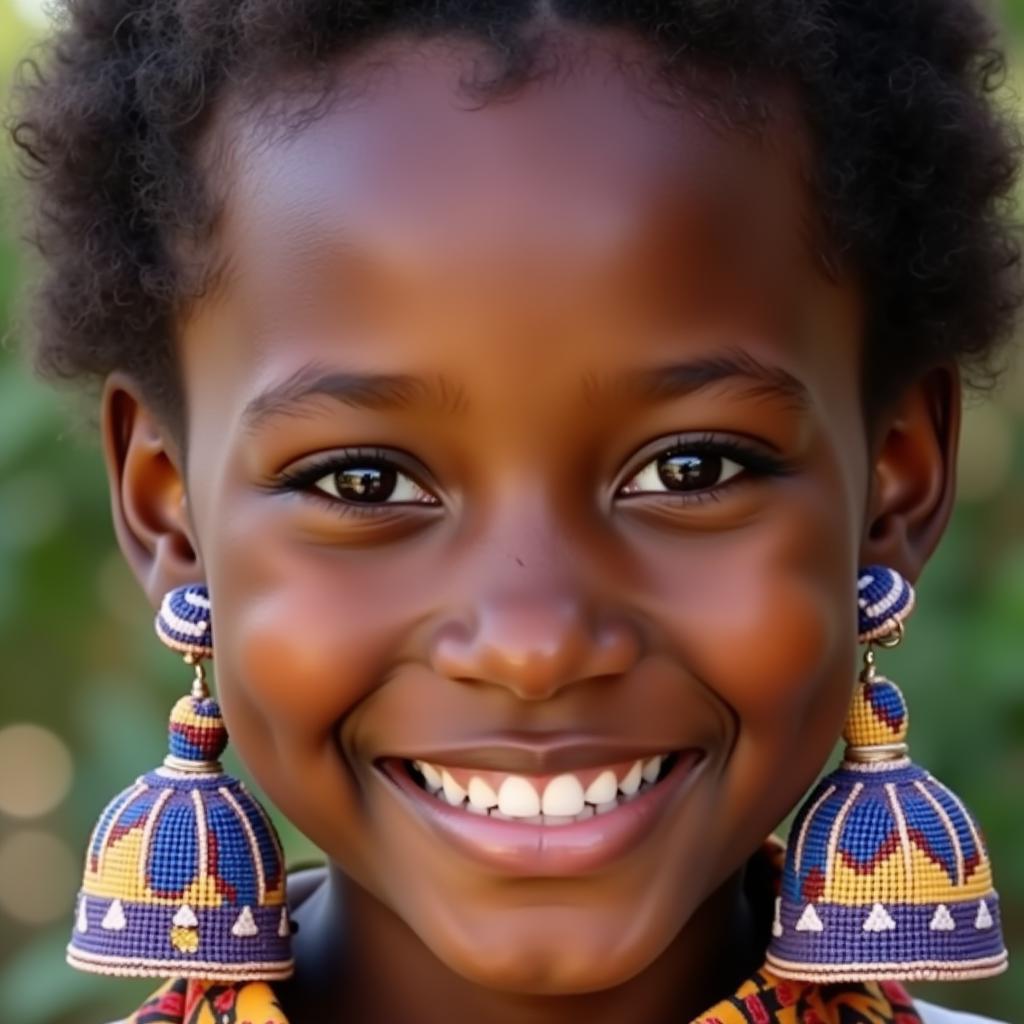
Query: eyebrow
point(292, 396)
point(760, 379)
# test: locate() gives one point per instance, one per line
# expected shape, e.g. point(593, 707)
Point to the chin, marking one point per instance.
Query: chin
point(553, 952)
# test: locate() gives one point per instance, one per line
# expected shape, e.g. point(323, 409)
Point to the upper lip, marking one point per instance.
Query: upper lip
point(532, 755)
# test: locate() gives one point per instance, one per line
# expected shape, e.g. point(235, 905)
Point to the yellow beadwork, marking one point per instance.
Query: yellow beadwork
point(876, 722)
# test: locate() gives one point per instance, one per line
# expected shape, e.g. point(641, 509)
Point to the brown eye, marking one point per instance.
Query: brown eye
point(366, 483)
point(689, 472)
point(682, 471)
point(373, 483)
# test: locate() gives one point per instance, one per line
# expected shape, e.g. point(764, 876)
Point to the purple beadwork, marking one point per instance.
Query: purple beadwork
point(884, 600)
point(183, 622)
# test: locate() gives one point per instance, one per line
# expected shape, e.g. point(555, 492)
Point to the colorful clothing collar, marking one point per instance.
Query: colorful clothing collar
point(761, 999)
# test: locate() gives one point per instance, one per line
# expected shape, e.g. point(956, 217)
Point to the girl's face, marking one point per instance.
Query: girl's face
point(525, 441)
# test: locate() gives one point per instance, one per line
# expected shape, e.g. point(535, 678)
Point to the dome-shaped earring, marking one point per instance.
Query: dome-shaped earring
point(886, 875)
point(184, 874)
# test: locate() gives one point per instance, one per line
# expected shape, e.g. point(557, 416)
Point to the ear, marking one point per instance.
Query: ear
point(147, 491)
point(914, 473)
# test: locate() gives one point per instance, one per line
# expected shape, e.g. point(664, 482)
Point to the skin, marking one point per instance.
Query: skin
point(529, 276)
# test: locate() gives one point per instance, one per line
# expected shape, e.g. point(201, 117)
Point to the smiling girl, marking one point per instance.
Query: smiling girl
point(525, 382)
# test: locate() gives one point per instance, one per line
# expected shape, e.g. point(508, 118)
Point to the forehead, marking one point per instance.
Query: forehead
point(583, 195)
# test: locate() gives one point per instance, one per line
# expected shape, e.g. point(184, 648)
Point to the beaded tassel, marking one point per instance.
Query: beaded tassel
point(184, 873)
point(886, 874)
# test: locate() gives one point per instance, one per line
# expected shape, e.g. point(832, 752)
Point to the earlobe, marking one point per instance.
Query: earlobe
point(914, 474)
point(147, 491)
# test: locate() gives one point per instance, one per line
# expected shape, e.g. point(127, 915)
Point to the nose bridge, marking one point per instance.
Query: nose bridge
point(529, 618)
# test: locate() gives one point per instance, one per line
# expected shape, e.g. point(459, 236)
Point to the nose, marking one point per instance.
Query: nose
point(534, 645)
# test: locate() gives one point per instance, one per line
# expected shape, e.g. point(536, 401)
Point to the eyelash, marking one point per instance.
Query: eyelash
point(305, 479)
point(755, 462)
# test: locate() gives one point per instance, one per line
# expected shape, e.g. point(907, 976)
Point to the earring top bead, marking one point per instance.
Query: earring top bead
point(884, 602)
point(183, 622)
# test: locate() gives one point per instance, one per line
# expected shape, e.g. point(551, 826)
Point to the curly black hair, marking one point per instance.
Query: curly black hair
point(914, 159)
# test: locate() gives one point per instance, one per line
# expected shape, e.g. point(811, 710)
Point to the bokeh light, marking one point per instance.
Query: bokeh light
point(34, 11)
point(35, 770)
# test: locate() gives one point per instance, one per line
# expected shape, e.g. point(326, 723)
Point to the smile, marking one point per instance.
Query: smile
point(565, 824)
point(537, 799)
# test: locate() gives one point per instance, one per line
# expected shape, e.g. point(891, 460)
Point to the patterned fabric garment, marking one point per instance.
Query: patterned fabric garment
point(763, 999)
point(206, 1002)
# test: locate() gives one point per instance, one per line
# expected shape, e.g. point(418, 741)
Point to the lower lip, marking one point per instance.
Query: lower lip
point(529, 850)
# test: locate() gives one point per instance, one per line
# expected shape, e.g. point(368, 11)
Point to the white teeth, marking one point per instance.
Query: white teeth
point(430, 774)
point(453, 792)
point(481, 795)
point(631, 783)
point(602, 789)
point(517, 798)
point(563, 797)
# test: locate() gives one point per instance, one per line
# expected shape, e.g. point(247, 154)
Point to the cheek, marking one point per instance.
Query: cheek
point(297, 658)
point(774, 618)
point(301, 640)
point(772, 640)
point(788, 684)
point(763, 625)
point(303, 634)
point(767, 622)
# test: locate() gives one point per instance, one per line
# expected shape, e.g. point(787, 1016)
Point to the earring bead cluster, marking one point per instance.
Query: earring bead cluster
point(886, 875)
point(184, 873)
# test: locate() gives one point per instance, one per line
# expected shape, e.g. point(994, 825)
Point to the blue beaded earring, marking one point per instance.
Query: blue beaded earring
point(886, 875)
point(184, 874)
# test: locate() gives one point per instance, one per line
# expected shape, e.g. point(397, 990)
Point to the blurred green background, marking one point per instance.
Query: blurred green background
point(86, 689)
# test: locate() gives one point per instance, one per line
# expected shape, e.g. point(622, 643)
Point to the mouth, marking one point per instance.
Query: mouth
point(553, 800)
point(569, 823)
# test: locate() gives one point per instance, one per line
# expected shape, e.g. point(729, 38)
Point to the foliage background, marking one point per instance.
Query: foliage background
point(79, 665)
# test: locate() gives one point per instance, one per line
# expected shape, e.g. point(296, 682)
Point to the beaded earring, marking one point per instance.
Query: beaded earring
point(184, 874)
point(886, 875)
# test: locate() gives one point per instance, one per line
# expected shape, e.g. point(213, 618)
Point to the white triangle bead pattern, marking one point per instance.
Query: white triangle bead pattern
point(114, 919)
point(809, 920)
point(82, 924)
point(937, 1015)
point(284, 928)
point(984, 918)
point(942, 919)
point(245, 926)
point(879, 920)
point(185, 917)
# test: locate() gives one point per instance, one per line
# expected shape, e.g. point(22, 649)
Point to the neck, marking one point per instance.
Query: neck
point(382, 975)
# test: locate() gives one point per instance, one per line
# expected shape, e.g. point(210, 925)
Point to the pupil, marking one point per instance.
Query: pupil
point(366, 483)
point(686, 471)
